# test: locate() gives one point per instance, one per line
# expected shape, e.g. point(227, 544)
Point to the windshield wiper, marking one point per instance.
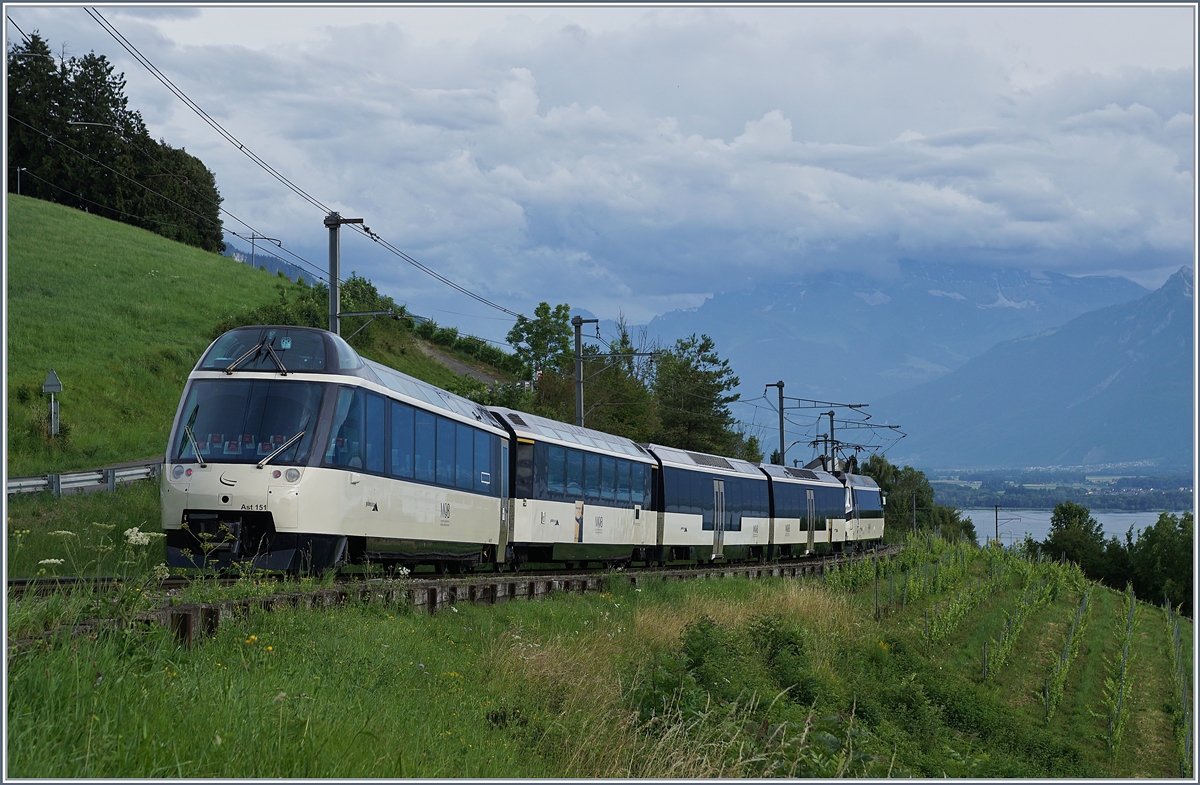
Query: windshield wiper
point(284, 446)
point(187, 431)
point(255, 351)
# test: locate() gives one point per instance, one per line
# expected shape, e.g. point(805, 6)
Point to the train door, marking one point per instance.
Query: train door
point(718, 551)
point(812, 519)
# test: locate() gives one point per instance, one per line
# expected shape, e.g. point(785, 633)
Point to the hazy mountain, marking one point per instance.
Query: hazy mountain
point(1110, 386)
point(839, 335)
point(273, 264)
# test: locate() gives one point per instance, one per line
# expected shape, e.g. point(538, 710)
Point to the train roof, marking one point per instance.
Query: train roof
point(424, 392)
point(698, 460)
point(539, 428)
point(313, 350)
point(788, 473)
point(860, 481)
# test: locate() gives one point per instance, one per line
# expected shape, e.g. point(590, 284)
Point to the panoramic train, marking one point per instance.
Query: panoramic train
point(289, 451)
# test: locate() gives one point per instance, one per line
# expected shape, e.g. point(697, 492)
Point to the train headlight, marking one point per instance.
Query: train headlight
point(292, 475)
point(276, 474)
point(177, 471)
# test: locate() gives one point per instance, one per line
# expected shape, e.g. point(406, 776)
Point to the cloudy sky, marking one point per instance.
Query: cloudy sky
point(636, 159)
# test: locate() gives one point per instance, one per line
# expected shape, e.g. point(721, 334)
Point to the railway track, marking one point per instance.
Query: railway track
point(192, 621)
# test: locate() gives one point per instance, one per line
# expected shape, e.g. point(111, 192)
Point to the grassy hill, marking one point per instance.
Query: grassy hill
point(122, 315)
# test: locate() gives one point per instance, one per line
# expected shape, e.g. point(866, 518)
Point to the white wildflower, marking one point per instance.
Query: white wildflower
point(160, 572)
point(51, 561)
point(135, 537)
point(62, 533)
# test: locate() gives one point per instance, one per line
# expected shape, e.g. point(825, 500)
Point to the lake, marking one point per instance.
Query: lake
point(1015, 523)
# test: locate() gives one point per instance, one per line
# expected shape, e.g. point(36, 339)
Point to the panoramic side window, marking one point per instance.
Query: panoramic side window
point(556, 471)
point(445, 451)
point(426, 446)
point(608, 479)
point(591, 477)
point(464, 456)
point(402, 440)
point(485, 446)
point(637, 490)
point(346, 439)
point(574, 475)
point(623, 481)
point(373, 436)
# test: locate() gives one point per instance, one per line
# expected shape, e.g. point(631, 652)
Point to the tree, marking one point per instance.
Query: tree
point(692, 384)
point(1160, 561)
point(36, 96)
point(72, 132)
point(545, 341)
point(901, 486)
point(1075, 535)
point(616, 398)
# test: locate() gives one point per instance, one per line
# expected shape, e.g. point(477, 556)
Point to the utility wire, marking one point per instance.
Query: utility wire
point(312, 200)
point(19, 30)
point(203, 115)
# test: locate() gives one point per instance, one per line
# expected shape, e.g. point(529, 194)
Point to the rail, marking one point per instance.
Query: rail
point(192, 621)
point(106, 479)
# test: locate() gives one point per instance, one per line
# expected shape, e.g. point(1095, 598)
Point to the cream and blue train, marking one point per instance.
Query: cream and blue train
point(290, 451)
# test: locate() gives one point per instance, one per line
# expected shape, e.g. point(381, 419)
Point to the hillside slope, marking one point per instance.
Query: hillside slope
point(122, 315)
point(1110, 386)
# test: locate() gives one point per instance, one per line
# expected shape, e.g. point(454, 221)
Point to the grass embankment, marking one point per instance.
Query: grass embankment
point(122, 315)
point(705, 678)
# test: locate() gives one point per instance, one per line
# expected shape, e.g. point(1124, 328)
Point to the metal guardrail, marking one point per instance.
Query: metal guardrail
point(106, 479)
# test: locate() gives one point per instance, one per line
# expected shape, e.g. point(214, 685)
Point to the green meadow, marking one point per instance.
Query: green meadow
point(717, 678)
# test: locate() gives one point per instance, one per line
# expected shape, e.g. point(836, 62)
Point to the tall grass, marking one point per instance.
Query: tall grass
point(1117, 686)
point(1180, 700)
point(84, 534)
point(1056, 681)
point(729, 678)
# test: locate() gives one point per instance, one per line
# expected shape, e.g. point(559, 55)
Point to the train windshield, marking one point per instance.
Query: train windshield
point(245, 420)
point(297, 350)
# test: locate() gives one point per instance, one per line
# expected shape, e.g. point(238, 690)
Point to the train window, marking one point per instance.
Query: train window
point(574, 474)
point(402, 440)
point(524, 476)
point(464, 457)
point(374, 434)
point(671, 502)
point(348, 359)
point(623, 481)
point(734, 504)
point(245, 420)
point(485, 444)
point(868, 503)
point(445, 452)
point(346, 440)
point(702, 498)
point(425, 446)
point(298, 350)
point(556, 471)
point(591, 477)
point(637, 485)
point(608, 479)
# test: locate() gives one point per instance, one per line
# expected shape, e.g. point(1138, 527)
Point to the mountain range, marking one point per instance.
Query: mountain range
point(839, 335)
point(980, 367)
point(1114, 385)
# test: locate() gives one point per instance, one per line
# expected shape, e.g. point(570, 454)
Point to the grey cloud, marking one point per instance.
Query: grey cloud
point(648, 164)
